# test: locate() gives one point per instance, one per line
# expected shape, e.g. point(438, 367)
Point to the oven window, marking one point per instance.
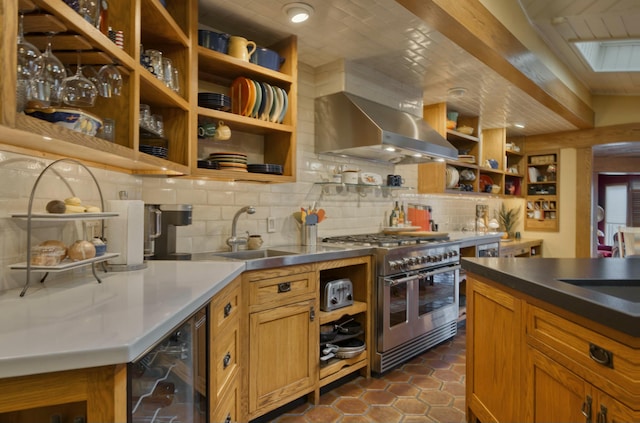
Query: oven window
point(398, 309)
point(436, 292)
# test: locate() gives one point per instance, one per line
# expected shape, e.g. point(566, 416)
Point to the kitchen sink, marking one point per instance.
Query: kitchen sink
point(626, 289)
point(252, 254)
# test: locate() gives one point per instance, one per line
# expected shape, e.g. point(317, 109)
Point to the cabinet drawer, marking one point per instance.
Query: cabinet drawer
point(224, 359)
point(597, 358)
point(280, 289)
point(227, 409)
point(546, 224)
point(225, 306)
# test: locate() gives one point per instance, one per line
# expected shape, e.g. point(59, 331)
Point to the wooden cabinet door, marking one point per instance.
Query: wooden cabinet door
point(494, 351)
point(283, 355)
point(554, 394)
point(609, 410)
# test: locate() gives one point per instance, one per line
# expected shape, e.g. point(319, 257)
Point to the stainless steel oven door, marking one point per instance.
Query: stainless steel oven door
point(415, 303)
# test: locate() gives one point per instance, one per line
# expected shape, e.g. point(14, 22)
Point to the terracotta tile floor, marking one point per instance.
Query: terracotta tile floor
point(428, 388)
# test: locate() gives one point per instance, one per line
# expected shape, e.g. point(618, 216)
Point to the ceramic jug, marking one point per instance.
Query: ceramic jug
point(241, 48)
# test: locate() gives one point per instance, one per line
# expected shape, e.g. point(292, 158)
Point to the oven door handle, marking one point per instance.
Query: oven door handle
point(421, 275)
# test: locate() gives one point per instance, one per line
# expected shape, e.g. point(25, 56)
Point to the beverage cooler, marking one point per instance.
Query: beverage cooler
point(169, 383)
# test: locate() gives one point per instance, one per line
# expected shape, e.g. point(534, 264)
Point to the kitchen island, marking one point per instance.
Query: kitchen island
point(553, 339)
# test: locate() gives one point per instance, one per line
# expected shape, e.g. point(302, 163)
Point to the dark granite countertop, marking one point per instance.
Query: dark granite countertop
point(605, 290)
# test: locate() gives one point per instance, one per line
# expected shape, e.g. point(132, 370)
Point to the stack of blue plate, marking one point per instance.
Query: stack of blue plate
point(215, 101)
point(161, 152)
point(271, 169)
point(208, 164)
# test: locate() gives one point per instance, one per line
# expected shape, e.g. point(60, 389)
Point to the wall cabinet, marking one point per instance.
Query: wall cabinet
point(173, 30)
point(542, 192)
point(145, 22)
point(276, 141)
point(486, 163)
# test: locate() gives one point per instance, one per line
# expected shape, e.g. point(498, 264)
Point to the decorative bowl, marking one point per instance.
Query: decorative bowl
point(74, 119)
point(467, 130)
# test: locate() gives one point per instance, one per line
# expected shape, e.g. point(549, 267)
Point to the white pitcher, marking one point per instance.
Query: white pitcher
point(241, 48)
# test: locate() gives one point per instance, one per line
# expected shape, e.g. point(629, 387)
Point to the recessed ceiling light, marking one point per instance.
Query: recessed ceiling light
point(457, 92)
point(298, 12)
point(519, 125)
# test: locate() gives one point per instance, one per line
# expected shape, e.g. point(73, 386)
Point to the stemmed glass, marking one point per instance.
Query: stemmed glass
point(45, 87)
point(111, 81)
point(29, 65)
point(78, 91)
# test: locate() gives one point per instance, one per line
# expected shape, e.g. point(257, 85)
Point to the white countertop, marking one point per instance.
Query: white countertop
point(76, 322)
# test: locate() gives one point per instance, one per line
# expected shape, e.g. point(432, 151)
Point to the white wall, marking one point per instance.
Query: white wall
point(215, 203)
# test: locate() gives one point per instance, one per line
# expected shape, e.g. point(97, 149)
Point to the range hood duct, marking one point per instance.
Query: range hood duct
point(351, 126)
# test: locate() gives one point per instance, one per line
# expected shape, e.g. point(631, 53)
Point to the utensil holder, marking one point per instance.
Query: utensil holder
point(309, 235)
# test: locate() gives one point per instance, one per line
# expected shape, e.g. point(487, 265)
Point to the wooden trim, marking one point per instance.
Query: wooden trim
point(8, 61)
point(472, 27)
point(585, 220)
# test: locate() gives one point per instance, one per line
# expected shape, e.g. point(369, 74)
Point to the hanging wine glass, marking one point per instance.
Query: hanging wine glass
point(46, 86)
point(78, 91)
point(29, 65)
point(111, 80)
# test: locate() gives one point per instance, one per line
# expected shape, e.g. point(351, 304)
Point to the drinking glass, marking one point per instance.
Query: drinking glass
point(111, 81)
point(176, 80)
point(167, 72)
point(29, 64)
point(78, 91)
point(45, 86)
point(155, 63)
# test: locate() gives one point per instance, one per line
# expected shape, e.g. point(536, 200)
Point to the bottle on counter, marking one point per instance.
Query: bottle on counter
point(393, 218)
point(401, 216)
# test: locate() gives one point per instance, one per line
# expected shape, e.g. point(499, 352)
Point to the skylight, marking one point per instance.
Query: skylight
point(612, 55)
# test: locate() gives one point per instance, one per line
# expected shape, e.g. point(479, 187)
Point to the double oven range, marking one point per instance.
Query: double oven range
point(416, 289)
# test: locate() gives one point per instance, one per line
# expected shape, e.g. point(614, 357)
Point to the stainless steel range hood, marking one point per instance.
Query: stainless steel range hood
point(351, 126)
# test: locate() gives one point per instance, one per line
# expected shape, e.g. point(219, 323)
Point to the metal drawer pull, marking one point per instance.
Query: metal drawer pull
point(227, 310)
point(228, 419)
point(586, 409)
point(284, 287)
point(226, 360)
point(600, 355)
point(602, 415)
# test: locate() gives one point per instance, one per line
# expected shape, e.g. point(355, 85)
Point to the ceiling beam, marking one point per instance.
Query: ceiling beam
point(472, 27)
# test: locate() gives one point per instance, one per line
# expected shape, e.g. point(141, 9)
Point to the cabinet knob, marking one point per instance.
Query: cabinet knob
point(227, 310)
point(226, 360)
point(284, 287)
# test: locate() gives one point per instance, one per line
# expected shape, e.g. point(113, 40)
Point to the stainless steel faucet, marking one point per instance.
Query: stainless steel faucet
point(234, 241)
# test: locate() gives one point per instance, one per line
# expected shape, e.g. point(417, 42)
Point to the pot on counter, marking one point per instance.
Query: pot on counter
point(350, 177)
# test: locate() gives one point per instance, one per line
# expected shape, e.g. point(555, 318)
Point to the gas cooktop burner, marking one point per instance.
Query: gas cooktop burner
point(384, 240)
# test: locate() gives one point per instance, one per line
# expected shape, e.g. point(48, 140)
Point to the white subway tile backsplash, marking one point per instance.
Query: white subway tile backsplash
point(215, 203)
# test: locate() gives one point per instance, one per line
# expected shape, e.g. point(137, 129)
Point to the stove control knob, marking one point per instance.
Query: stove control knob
point(431, 259)
point(413, 260)
point(334, 300)
point(455, 253)
point(406, 261)
point(423, 259)
point(439, 257)
point(395, 264)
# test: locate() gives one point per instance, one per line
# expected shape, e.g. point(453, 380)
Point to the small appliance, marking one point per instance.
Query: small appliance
point(336, 294)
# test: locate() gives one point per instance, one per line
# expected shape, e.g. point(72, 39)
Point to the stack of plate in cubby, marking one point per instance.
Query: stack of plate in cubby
point(215, 101)
point(230, 160)
point(271, 169)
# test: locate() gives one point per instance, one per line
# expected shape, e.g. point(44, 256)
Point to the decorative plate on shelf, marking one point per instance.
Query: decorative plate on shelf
point(484, 181)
